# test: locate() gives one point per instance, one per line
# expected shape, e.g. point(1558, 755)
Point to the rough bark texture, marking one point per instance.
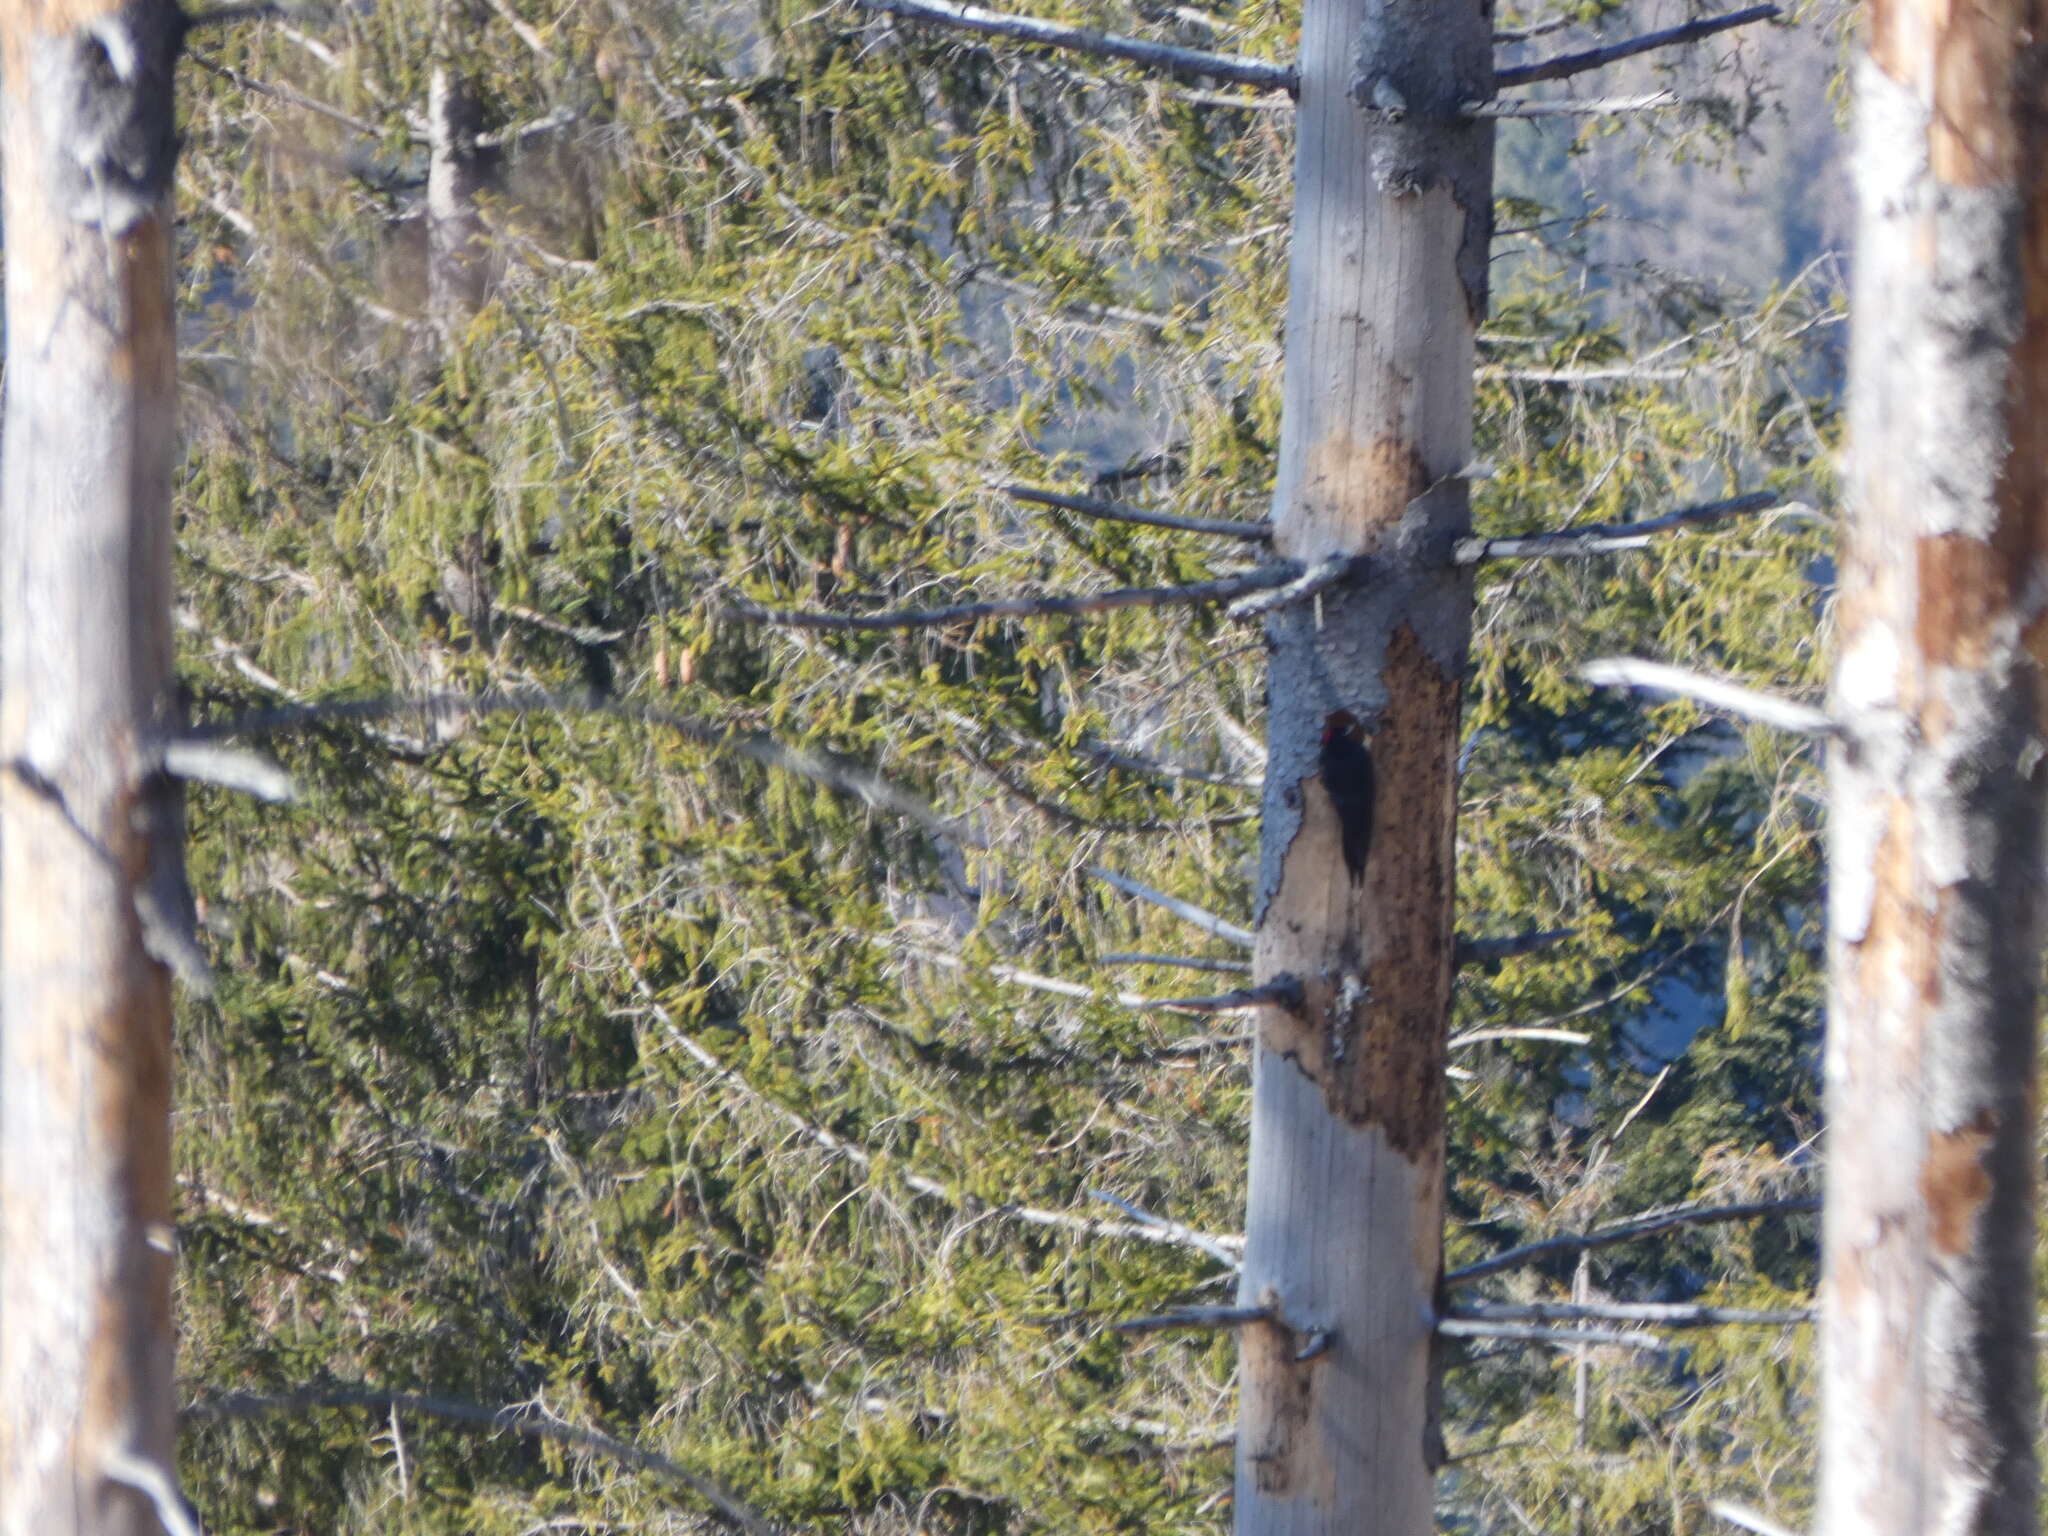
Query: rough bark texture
point(1344, 1222)
point(85, 826)
point(1936, 859)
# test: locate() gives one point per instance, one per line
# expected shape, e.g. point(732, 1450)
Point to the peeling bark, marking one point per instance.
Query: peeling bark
point(85, 673)
point(1936, 834)
point(1345, 1205)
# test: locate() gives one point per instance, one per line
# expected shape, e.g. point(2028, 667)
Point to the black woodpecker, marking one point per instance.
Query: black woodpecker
point(1346, 768)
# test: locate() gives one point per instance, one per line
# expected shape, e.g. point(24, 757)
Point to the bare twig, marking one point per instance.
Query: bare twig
point(1208, 922)
point(520, 1418)
point(1627, 1231)
point(1120, 512)
point(155, 1482)
point(1320, 577)
point(1559, 1338)
point(1666, 1314)
point(1223, 589)
point(1568, 64)
point(283, 93)
point(1284, 990)
point(1182, 63)
point(1602, 538)
point(1732, 698)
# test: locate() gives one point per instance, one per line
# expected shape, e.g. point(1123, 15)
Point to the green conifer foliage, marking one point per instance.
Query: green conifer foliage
point(658, 1044)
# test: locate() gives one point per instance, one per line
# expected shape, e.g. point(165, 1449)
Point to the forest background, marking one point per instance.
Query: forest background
point(729, 1042)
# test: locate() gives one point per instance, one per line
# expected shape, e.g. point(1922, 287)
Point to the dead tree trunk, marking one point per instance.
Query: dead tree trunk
point(1936, 811)
point(1393, 209)
point(87, 826)
point(457, 251)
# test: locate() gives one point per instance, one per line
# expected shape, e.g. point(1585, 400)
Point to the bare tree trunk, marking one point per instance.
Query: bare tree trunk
point(1936, 838)
point(1393, 209)
point(457, 252)
point(87, 828)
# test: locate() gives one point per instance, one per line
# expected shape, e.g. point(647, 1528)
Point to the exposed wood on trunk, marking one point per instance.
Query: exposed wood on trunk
point(1345, 1201)
point(1936, 820)
point(88, 831)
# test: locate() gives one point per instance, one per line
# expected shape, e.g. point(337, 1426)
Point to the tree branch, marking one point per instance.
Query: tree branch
point(1732, 698)
point(1565, 65)
point(1626, 1231)
point(1667, 1314)
point(1575, 106)
point(1223, 1249)
point(1208, 922)
point(1220, 590)
point(1185, 962)
point(1507, 946)
point(1120, 512)
point(1196, 1317)
point(521, 1418)
point(1481, 1036)
point(1743, 1518)
point(1182, 63)
point(1604, 538)
point(1561, 1338)
point(1320, 577)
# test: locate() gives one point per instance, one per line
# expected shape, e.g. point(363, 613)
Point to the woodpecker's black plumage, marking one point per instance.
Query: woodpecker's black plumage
point(1346, 769)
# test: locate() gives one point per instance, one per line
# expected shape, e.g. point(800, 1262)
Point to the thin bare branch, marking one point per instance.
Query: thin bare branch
point(1646, 1225)
point(1187, 911)
point(1568, 64)
point(1603, 538)
point(1666, 1314)
point(520, 1418)
point(283, 93)
point(1320, 577)
point(1732, 698)
point(1224, 1249)
point(1481, 1036)
point(1576, 106)
point(1223, 589)
point(1181, 63)
point(1120, 512)
point(1557, 1338)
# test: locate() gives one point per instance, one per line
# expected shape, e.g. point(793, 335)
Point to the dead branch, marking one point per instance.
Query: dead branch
point(1743, 1518)
point(1573, 106)
point(1223, 1249)
point(1666, 1314)
point(1223, 589)
point(1568, 64)
point(1560, 1338)
point(1208, 922)
point(1647, 1225)
point(1602, 538)
point(1731, 698)
point(1320, 577)
point(1481, 1036)
point(1120, 512)
point(521, 1418)
point(1182, 63)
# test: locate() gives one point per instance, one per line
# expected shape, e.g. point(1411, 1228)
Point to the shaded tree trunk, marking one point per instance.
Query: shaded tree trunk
point(88, 828)
point(1393, 209)
point(1936, 812)
point(457, 251)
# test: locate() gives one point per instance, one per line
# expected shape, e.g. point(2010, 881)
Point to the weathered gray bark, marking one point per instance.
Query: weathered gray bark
point(87, 829)
point(1936, 813)
point(1393, 208)
point(457, 252)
